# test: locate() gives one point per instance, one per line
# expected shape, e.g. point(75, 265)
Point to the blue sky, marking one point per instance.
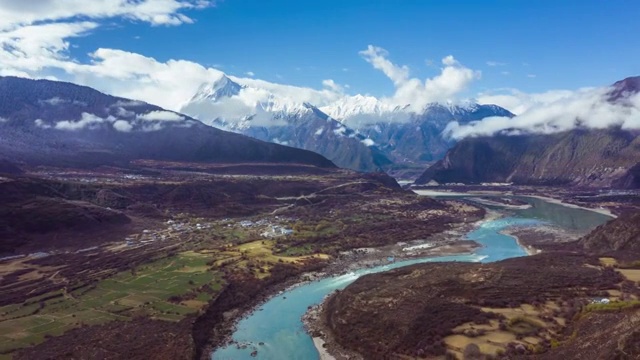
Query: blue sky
point(516, 54)
point(536, 45)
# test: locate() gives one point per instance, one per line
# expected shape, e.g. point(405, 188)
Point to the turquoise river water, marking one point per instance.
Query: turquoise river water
point(275, 329)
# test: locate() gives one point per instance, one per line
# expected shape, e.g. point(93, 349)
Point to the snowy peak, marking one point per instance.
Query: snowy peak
point(360, 110)
point(237, 102)
point(217, 90)
point(281, 105)
point(350, 106)
point(235, 106)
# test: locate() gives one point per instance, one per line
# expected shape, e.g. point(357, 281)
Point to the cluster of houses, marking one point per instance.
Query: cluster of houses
point(276, 231)
point(271, 230)
point(173, 227)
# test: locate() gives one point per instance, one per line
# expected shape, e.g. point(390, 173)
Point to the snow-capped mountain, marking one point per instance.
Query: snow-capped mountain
point(362, 108)
point(358, 132)
point(267, 116)
point(217, 90)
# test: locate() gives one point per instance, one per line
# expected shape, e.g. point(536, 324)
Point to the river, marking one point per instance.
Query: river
point(275, 329)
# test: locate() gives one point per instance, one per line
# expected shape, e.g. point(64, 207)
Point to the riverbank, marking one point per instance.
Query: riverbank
point(530, 250)
point(443, 193)
point(316, 320)
point(536, 239)
point(488, 244)
point(447, 243)
point(602, 211)
point(328, 348)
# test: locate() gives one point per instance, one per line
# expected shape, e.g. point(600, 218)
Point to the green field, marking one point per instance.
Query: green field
point(145, 290)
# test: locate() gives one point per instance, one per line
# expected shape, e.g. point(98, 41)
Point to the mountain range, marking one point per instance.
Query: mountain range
point(580, 157)
point(357, 132)
point(55, 123)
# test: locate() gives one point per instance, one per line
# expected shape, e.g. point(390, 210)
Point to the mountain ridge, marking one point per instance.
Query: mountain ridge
point(587, 157)
point(358, 132)
point(49, 122)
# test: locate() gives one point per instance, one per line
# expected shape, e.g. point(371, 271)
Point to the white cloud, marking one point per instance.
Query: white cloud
point(340, 131)
point(86, 121)
point(156, 12)
point(377, 57)
point(586, 108)
point(36, 38)
point(3, 119)
point(495, 63)
point(160, 115)
point(297, 94)
point(152, 127)
point(505, 73)
point(278, 141)
point(122, 112)
point(368, 142)
point(531, 76)
point(54, 101)
point(453, 79)
point(33, 48)
point(518, 102)
point(41, 124)
point(250, 74)
point(35, 41)
point(122, 125)
point(332, 85)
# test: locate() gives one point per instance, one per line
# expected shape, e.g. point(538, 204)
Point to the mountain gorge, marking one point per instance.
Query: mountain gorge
point(357, 132)
point(583, 156)
point(54, 123)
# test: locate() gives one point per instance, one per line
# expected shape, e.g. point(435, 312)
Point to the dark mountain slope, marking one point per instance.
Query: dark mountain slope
point(316, 131)
point(56, 123)
point(582, 157)
point(620, 237)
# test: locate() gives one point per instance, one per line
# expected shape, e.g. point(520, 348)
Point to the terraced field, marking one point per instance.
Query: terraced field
point(167, 289)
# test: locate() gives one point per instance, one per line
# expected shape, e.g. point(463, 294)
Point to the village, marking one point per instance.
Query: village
point(182, 227)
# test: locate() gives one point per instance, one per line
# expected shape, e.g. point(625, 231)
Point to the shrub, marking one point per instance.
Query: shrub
point(472, 352)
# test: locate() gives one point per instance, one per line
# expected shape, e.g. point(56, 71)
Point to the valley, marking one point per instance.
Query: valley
point(534, 309)
point(188, 246)
point(295, 180)
point(230, 217)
